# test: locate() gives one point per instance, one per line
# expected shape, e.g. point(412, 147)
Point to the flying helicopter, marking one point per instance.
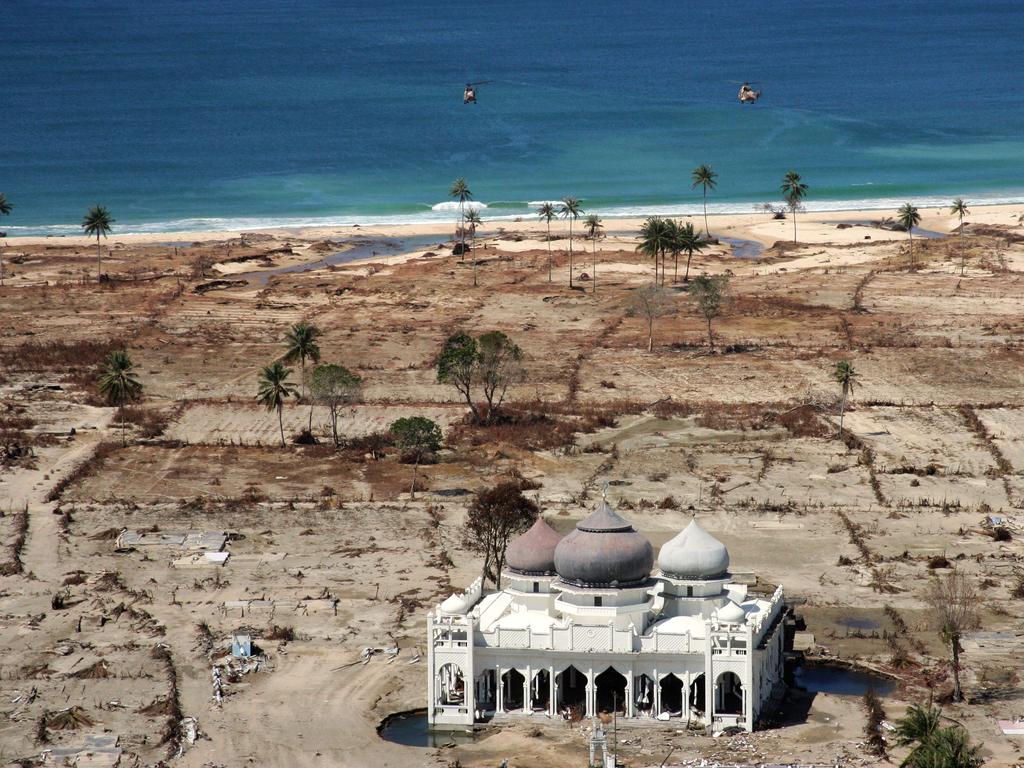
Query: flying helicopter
point(748, 95)
point(469, 95)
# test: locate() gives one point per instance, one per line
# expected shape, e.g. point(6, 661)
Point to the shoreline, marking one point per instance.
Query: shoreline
point(812, 227)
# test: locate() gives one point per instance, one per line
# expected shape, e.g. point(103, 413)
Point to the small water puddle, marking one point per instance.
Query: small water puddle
point(412, 730)
point(841, 681)
point(361, 248)
point(744, 249)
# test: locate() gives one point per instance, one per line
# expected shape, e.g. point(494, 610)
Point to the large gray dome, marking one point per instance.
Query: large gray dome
point(694, 554)
point(604, 551)
point(533, 553)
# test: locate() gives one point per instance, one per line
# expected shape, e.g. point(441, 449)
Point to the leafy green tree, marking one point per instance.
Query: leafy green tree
point(97, 222)
point(594, 232)
point(547, 212)
point(793, 191)
point(959, 209)
point(933, 746)
point(473, 220)
point(704, 176)
point(417, 437)
point(846, 377)
point(5, 210)
point(710, 295)
point(685, 239)
point(655, 240)
point(570, 209)
point(954, 610)
point(118, 383)
point(334, 386)
point(461, 192)
point(651, 302)
point(495, 516)
point(908, 218)
point(274, 389)
point(491, 362)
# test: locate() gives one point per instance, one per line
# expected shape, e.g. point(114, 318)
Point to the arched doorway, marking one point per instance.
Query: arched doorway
point(451, 686)
point(572, 691)
point(643, 692)
point(697, 694)
point(540, 691)
point(672, 695)
point(512, 690)
point(486, 690)
point(728, 694)
point(611, 691)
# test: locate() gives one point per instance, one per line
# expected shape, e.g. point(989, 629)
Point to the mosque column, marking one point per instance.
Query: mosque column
point(528, 690)
point(657, 693)
point(591, 693)
point(552, 697)
point(630, 695)
point(500, 702)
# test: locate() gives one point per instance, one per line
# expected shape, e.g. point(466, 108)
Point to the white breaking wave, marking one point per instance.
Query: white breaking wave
point(539, 203)
point(452, 206)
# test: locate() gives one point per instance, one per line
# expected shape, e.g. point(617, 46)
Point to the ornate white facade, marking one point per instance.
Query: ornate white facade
point(584, 626)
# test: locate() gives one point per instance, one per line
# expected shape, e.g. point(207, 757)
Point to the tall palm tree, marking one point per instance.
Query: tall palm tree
point(547, 212)
point(908, 217)
point(704, 176)
point(594, 227)
point(959, 208)
point(794, 191)
point(472, 221)
point(846, 377)
point(274, 389)
point(570, 209)
point(118, 383)
point(5, 210)
point(301, 345)
point(97, 222)
point(460, 191)
point(655, 239)
point(686, 239)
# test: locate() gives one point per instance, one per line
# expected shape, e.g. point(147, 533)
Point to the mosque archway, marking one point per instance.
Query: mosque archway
point(672, 695)
point(486, 690)
point(611, 691)
point(540, 691)
point(643, 692)
point(572, 690)
point(697, 694)
point(728, 694)
point(451, 685)
point(512, 684)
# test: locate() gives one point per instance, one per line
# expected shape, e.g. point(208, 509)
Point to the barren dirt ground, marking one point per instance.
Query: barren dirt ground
point(329, 554)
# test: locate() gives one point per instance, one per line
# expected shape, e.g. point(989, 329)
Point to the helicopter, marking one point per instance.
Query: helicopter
point(748, 95)
point(469, 95)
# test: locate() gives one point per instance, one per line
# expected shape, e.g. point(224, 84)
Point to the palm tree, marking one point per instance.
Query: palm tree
point(959, 208)
point(916, 728)
point(704, 176)
point(594, 227)
point(118, 383)
point(5, 210)
point(908, 217)
point(460, 191)
point(793, 190)
point(472, 220)
point(687, 239)
point(547, 213)
point(274, 389)
point(570, 209)
point(97, 222)
point(301, 345)
point(655, 239)
point(846, 377)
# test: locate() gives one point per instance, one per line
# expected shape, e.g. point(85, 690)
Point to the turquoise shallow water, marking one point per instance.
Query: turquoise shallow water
point(181, 114)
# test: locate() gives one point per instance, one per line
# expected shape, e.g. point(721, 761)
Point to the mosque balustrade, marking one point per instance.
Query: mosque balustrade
point(571, 637)
point(666, 642)
point(763, 620)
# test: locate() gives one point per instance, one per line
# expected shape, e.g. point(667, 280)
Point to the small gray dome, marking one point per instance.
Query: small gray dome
point(604, 551)
point(533, 553)
point(694, 554)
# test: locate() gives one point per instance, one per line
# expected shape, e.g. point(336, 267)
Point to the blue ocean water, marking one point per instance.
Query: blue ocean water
point(180, 114)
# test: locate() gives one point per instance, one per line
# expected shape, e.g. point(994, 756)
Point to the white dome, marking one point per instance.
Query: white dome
point(731, 613)
point(694, 554)
point(455, 604)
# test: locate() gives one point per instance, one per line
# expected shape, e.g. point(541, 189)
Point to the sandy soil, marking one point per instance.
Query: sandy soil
point(743, 436)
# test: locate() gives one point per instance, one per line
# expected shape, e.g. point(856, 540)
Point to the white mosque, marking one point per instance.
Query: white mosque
point(585, 624)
